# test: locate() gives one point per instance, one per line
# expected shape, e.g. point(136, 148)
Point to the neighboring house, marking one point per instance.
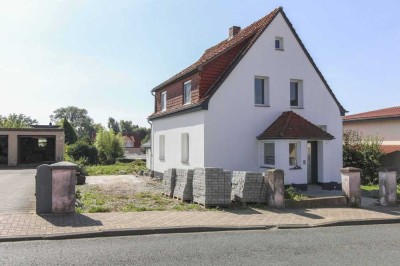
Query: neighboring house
point(252, 102)
point(147, 150)
point(384, 124)
point(36, 145)
point(131, 143)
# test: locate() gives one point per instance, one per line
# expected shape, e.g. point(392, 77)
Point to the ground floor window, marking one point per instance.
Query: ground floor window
point(162, 147)
point(294, 154)
point(185, 147)
point(268, 154)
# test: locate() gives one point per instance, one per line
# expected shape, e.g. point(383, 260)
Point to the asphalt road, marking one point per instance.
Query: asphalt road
point(350, 245)
point(17, 190)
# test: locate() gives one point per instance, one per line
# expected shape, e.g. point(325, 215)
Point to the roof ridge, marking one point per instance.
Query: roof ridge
point(282, 133)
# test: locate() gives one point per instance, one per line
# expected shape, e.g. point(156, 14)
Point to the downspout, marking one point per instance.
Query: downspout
point(152, 140)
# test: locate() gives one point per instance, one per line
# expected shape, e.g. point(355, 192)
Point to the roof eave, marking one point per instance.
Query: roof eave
point(162, 85)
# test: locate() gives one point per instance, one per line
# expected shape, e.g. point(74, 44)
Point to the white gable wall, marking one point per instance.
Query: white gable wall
point(172, 128)
point(232, 122)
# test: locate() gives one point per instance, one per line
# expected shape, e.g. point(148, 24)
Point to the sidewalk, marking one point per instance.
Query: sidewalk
point(29, 226)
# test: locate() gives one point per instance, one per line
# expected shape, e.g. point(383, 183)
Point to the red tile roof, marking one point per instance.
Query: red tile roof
point(377, 114)
point(243, 40)
point(390, 148)
point(250, 32)
point(290, 125)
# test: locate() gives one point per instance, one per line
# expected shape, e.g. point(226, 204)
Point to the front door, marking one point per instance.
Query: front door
point(312, 162)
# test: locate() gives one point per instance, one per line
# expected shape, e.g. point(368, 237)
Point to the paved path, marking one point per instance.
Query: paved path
point(20, 224)
point(17, 190)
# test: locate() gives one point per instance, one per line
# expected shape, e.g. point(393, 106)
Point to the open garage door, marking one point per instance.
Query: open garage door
point(36, 149)
point(3, 150)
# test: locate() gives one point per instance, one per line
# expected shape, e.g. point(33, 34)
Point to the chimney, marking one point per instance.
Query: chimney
point(233, 31)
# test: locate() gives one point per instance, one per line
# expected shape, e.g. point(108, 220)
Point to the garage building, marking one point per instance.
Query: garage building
point(31, 146)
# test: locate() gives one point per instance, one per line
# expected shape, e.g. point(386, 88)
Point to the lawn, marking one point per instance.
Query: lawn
point(116, 169)
point(372, 191)
point(93, 199)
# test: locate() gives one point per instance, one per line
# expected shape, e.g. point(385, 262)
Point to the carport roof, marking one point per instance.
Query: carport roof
point(34, 129)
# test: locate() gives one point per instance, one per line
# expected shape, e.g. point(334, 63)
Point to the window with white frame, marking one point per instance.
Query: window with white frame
point(162, 147)
point(163, 101)
point(296, 93)
point(261, 91)
point(185, 147)
point(268, 154)
point(294, 154)
point(187, 92)
point(278, 43)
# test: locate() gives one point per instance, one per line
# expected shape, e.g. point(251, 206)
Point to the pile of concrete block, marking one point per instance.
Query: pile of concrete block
point(184, 184)
point(249, 187)
point(169, 182)
point(212, 187)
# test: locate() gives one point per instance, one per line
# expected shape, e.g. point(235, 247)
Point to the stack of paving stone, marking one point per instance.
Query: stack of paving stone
point(249, 187)
point(184, 184)
point(212, 187)
point(169, 182)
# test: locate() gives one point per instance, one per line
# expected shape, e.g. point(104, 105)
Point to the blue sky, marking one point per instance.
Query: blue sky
point(106, 56)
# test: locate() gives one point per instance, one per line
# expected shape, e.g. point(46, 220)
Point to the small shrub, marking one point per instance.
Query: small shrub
point(292, 194)
point(83, 153)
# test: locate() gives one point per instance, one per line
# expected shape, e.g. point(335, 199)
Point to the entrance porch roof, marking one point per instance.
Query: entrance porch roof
point(290, 125)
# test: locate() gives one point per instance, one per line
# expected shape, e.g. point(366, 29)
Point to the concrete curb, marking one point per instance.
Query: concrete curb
point(193, 229)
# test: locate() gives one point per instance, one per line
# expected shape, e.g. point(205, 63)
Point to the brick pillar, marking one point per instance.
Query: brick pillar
point(351, 185)
point(276, 189)
point(387, 188)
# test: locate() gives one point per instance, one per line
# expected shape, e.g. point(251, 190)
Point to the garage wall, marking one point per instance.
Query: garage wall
point(13, 141)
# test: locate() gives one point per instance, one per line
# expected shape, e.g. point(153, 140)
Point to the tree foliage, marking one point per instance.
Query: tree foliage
point(17, 121)
point(112, 124)
point(364, 153)
point(78, 117)
point(127, 126)
point(70, 134)
point(109, 146)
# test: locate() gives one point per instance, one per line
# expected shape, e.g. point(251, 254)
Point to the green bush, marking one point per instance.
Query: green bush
point(364, 153)
point(109, 146)
point(82, 153)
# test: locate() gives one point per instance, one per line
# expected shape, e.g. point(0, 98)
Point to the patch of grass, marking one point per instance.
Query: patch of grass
point(116, 169)
point(373, 191)
point(93, 199)
point(99, 209)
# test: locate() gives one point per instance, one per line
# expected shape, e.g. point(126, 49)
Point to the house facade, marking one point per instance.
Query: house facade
point(252, 102)
point(131, 143)
point(383, 124)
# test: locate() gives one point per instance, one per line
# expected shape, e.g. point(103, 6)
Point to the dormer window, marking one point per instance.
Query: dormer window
point(187, 92)
point(278, 43)
point(163, 101)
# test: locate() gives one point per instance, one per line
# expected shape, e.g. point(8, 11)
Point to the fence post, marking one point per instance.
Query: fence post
point(276, 189)
point(351, 185)
point(387, 188)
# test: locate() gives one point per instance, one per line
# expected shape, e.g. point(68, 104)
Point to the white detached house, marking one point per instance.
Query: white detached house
point(252, 102)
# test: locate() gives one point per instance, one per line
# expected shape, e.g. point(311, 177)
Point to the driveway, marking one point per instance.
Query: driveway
point(17, 190)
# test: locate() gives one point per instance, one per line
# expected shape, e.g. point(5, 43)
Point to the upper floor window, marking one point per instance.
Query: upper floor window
point(187, 92)
point(261, 91)
point(296, 93)
point(278, 43)
point(163, 101)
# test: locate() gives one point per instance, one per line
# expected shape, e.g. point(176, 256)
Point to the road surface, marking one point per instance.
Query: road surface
point(350, 245)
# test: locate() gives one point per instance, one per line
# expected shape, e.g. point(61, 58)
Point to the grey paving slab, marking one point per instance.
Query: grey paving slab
point(17, 190)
